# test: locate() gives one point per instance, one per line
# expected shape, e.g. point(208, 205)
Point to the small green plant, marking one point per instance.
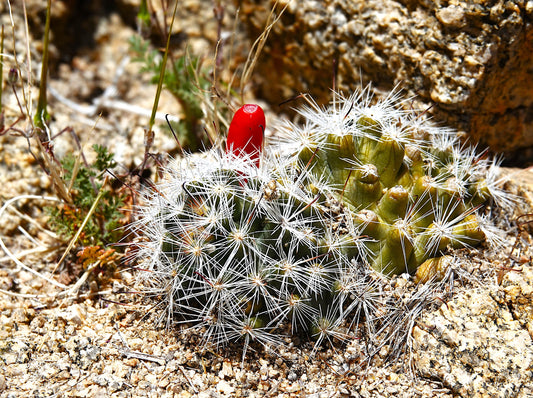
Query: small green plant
point(185, 80)
point(143, 17)
point(87, 183)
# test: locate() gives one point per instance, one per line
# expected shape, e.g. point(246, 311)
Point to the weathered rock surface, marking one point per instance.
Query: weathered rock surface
point(478, 344)
point(473, 60)
point(518, 292)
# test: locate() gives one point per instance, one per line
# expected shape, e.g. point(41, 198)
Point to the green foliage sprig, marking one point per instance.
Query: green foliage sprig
point(86, 182)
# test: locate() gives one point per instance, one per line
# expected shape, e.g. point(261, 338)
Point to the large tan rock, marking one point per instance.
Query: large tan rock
point(472, 60)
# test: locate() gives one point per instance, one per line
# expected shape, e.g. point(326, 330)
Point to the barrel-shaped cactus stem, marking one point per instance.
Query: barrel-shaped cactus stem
point(247, 243)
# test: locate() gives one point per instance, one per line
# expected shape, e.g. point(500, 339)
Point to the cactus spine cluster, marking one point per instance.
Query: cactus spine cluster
point(293, 245)
point(408, 186)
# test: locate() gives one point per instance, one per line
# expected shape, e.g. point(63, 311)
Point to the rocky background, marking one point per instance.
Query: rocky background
point(469, 62)
point(98, 338)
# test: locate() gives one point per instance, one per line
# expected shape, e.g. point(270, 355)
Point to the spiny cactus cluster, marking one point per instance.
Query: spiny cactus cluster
point(410, 187)
point(250, 251)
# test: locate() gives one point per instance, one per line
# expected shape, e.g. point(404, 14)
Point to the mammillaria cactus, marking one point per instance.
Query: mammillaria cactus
point(412, 188)
point(248, 245)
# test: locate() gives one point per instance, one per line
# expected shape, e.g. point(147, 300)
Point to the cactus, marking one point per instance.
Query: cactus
point(411, 187)
point(245, 244)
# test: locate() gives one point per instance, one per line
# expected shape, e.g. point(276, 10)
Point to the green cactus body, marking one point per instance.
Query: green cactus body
point(242, 251)
point(398, 170)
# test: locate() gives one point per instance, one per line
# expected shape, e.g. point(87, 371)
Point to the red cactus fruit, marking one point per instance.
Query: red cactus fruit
point(246, 131)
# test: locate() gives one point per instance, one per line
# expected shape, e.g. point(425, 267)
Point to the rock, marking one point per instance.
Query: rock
point(517, 286)
point(475, 347)
point(451, 16)
point(470, 60)
point(112, 382)
point(226, 373)
point(82, 352)
point(225, 388)
point(74, 314)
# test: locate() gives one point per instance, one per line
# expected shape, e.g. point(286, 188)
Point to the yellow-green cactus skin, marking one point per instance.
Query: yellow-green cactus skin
point(410, 187)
